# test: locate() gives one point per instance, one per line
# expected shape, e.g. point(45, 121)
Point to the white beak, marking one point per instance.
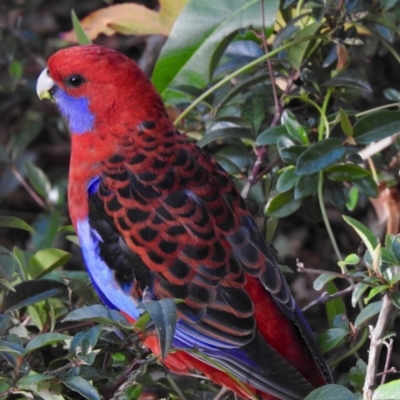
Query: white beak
point(44, 85)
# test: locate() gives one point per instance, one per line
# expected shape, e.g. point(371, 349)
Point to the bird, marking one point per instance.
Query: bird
point(157, 217)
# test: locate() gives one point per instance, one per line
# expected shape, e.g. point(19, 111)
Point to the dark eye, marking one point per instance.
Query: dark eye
point(75, 81)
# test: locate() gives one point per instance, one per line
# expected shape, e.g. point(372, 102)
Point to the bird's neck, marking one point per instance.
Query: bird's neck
point(90, 153)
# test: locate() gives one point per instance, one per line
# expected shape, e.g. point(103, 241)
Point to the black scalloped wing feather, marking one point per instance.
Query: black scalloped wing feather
point(174, 225)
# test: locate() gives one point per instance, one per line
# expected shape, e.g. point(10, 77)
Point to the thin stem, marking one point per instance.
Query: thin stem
point(325, 215)
point(239, 71)
point(325, 297)
point(31, 192)
point(300, 268)
point(353, 349)
point(175, 387)
point(388, 357)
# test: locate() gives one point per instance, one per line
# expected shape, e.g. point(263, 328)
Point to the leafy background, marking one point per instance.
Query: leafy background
point(299, 102)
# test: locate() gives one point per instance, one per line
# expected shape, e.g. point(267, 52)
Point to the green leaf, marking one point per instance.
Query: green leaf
point(282, 205)
point(286, 179)
point(38, 179)
point(322, 280)
point(395, 249)
point(345, 123)
point(367, 313)
point(295, 129)
point(33, 380)
point(96, 313)
point(15, 69)
point(225, 133)
point(331, 392)
point(271, 135)
point(288, 151)
point(90, 339)
point(82, 386)
point(375, 291)
point(387, 391)
point(377, 126)
point(357, 375)
point(352, 199)
point(359, 290)
point(346, 173)
point(331, 338)
point(319, 156)
point(306, 185)
point(186, 57)
point(33, 291)
point(349, 78)
point(80, 33)
point(10, 347)
point(367, 185)
point(297, 53)
point(14, 222)
point(163, 314)
point(45, 339)
point(365, 234)
point(334, 307)
point(45, 261)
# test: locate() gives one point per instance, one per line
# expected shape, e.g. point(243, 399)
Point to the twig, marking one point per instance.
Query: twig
point(220, 394)
point(31, 192)
point(325, 297)
point(392, 370)
point(377, 335)
point(301, 268)
point(388, 356)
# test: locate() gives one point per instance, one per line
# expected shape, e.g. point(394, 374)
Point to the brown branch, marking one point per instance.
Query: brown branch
point(377, 334)
point(388, 357)
point(302, 269)
point(325, 297)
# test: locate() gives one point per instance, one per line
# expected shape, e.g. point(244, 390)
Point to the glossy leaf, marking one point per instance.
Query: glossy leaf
point(187, 57)
point(225, 133)
point(45, 261)
point(282, 205)
point(14, 222)
point(306, 185)
point(331, 338)
point(370, 311)
point(349, 78)
point(163, 314)
point(271, 135)
point(45, 339)
point(322, 280)
point(295, 129)
point(286, 179)
point(82, 386)
point(346, 172)
point(96, 313)
point(334, 307)
point(367, 185)
point(345, 123)
point(319, 156)
point(357, 375)
point(331, 392)
point(366, 235)
point(387, 391)
point(31, 292)
point(377, 126)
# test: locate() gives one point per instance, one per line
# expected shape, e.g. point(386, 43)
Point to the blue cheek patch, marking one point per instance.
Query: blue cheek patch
point(76, 111)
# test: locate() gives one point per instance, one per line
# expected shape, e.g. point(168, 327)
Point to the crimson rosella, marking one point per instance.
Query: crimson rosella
point(157, 218)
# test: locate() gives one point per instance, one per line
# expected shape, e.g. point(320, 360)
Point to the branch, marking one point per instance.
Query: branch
point(325, 297)
point(377, 335)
